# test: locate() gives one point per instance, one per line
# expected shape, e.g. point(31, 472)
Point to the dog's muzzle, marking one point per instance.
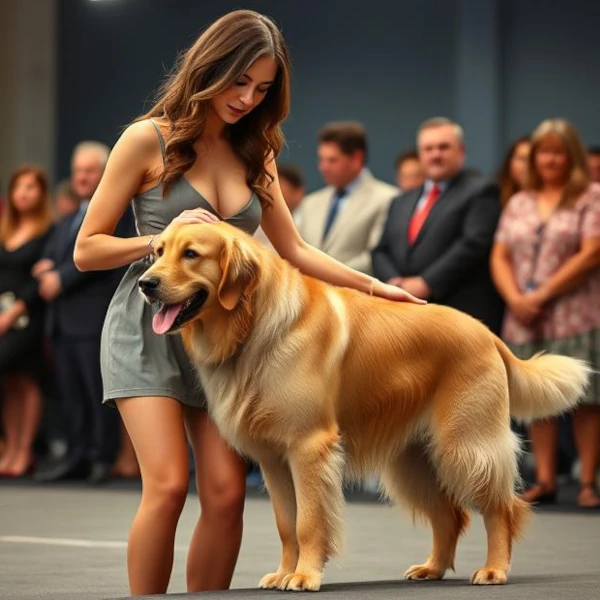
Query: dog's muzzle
point(149, 286)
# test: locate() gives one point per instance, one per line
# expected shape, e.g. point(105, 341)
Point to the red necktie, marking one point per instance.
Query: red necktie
point(420, 215)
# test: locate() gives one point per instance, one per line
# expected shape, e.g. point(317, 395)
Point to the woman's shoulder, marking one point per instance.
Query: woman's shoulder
point(520, 200)
point(590, 196)
point(589, 199)
point(143, 135)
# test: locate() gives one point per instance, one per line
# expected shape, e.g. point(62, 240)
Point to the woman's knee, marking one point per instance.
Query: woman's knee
point(166, 494)
point(223, 500)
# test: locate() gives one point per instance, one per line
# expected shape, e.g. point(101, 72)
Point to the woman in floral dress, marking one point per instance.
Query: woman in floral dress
point(546, 264)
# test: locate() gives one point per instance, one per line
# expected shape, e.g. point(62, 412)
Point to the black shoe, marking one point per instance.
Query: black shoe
point(66, 468)
point(99, 473)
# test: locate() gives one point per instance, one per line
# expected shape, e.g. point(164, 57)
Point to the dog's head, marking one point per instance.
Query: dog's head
point(200, 271)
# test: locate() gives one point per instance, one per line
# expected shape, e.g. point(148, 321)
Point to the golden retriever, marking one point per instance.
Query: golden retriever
point(317, 383)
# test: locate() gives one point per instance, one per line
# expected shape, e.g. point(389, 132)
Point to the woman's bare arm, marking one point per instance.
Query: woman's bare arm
point(573, 271)
point(502, 272)
point(279, 226)
point(128, 166)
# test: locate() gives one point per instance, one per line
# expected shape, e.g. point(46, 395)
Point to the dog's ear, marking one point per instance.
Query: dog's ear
point(239, 268)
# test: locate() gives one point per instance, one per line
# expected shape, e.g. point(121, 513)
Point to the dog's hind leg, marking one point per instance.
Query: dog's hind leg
point(317, 465)
point(503, 524)
point(279, 483)
point(475, 454)
point(411, 480)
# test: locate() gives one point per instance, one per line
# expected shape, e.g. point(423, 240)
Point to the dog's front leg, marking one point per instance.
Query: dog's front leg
point(317, 466)
point(280, 486)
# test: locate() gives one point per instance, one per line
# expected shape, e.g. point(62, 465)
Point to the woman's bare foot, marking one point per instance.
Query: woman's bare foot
point(588, 496)
point(21, 465)
point(540, 493)
point(6, 463)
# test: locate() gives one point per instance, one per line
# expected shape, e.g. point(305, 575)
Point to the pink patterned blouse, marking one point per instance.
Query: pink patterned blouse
point(554, 242)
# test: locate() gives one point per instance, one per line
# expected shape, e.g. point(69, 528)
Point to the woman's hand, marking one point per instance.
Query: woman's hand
point(6, 322)
point(526, 307)
point(41, 266)
point(196, 215)
point(393, 292)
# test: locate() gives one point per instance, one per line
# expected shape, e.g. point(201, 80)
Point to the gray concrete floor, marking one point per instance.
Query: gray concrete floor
point(68, 543)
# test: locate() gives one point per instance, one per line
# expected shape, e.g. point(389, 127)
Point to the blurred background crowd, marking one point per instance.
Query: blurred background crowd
point(470, 178)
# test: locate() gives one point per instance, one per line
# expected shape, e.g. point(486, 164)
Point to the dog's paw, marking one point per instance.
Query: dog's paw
point(421, 572)
point(487, 576)
point(301, 582)
point(271, 581)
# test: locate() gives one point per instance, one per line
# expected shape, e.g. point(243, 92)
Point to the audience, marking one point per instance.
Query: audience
point(545, 262)
point(437, 238)
point(66, 201)
point(292, 186)
point(409, 173)
point(25, 227)
point(512, 177)
point(433, 239)
point(291, 182)
point(345, 218)
point(77, 304)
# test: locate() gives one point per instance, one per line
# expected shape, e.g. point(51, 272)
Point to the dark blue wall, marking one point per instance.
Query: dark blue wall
point(552, 65)
point(387, 63)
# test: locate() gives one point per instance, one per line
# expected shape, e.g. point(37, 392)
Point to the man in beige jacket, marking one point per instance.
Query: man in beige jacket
point(346, 218)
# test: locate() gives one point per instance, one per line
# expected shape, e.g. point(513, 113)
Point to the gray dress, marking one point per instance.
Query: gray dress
point(134, 360)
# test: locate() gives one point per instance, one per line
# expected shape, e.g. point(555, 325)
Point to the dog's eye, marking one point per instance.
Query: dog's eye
point(160, 251)
point(190, 254)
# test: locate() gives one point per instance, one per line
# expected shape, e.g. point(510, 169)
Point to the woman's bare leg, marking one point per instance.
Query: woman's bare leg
point(221, 482)
point(126, 464)
point(10, 421)
point(586, 426)
point(29, 415)
point(155, 425)
point(544, 442)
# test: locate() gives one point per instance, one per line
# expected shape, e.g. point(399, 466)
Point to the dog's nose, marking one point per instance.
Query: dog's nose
point(148, 285)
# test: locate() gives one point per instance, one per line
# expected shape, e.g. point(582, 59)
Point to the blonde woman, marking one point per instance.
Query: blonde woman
point(546, 264)
point(205, 152)
point(24, 229)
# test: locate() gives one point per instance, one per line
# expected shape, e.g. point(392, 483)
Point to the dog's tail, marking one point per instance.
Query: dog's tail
point(545, 385)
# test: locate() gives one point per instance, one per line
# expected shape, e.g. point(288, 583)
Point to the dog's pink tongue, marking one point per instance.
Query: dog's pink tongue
point(164, 319)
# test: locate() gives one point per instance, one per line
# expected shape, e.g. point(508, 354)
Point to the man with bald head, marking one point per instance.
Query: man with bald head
point(437, 238)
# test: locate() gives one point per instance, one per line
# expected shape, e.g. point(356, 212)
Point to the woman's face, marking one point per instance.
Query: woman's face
point(247, 92)
point(519, 163)
point(552, 161)
point(410, 175)
point(26, 193)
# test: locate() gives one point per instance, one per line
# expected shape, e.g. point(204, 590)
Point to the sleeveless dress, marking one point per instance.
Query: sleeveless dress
point(22, 346)
point(134, 360)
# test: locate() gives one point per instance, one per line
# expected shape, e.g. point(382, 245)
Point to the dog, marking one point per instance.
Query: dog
point(318, 383)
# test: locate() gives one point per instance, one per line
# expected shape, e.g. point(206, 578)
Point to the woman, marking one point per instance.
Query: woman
point(409, 173)
point(513, 173)
point(26, 223)
point(206, 148)
point(546, 264)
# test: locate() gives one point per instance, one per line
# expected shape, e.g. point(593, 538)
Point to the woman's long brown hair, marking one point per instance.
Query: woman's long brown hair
point(508, 186)
point(42, 212)
point(215, 62)
point(578, 178)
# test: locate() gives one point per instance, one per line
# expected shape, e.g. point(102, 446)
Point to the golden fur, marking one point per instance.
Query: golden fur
point(318, 383)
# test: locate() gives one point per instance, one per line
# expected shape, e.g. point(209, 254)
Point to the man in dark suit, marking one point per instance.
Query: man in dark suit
point(77, 304)
point(437, 239)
